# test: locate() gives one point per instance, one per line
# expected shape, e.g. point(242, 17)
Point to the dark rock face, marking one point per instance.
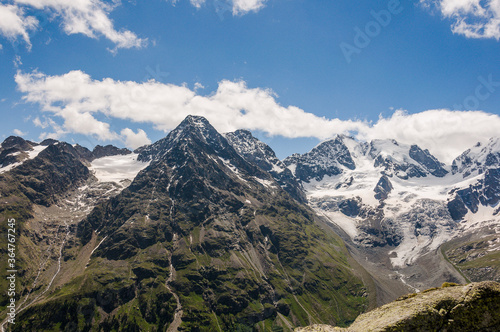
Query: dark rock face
point(253, 150)
point(383, 188)
point(485, 192)
point(350, 207)
point(16, 142)
point(457, 208)
point(14, 149)
point(108, 150)
point(54, 171)
point(478, 159)
point(403, 161)
point(324, 160)
point(391, 166)
point(48, 141)
point(491, 188)
point(238, 243)
point(377, 231)
point(260, 154)
point(192, 128)
point(429, 161)
point(84, 153)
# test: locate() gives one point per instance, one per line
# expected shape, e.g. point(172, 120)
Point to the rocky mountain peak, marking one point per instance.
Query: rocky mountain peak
point(14, 150)
point(404, 161)
point(261, 155)
point(478, 158)
point(254, 150)
point(108, 150)
point(191, 129)
point(17, 143)
point(327, 159)
point(48, 141)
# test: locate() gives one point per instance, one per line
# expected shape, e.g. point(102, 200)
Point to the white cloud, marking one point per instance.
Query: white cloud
point(198, 86)
point(76, 98)
point(445, 133)
point(38, 123)
point(245, 6)
point(88, 17)
point(17, 61)
point(238, 7)
point(18, 132)
point(133, 140)
point(14, 24)
point(58, 132)
point(197, 3)
point(472, 18)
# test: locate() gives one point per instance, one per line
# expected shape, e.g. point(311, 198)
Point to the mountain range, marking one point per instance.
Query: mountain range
point(202, 231)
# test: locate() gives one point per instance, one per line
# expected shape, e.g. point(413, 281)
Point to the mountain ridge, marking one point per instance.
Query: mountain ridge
point(203, 229)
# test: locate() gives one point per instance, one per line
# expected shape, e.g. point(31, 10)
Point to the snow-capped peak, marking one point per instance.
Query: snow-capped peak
point(191, 128)
point(326, 159)
point(478, 158)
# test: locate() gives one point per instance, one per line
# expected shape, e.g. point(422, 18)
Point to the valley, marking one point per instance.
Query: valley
point(207, 232)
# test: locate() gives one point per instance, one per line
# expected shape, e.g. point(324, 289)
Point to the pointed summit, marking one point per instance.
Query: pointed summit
point(191, 129)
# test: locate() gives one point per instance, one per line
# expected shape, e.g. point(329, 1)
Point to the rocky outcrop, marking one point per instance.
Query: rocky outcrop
point(260, 154)
point(327, 159)
point(485, 192)
point(423, 157)
point(108, 150)
point(478, 158)
point(14, 149)
point(383, 188)
point(472, 307)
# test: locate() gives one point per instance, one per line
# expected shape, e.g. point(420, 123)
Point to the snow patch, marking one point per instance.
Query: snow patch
point(292, 168)
point(31, 154)
point(265, 183)
point(117, 168)
point(348, 224)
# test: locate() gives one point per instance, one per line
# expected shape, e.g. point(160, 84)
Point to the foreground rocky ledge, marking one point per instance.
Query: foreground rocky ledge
point(473, 307)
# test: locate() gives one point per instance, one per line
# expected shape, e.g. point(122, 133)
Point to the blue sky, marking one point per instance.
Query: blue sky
point(100, 72)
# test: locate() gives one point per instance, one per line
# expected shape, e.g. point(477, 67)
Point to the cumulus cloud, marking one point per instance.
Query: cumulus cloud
point(135, 140)
point(18, 132)
point(77, 99)
point(472, 18)
point(87, 17)
point(245, 6)
point(14, 24)
point(57, 133)
point(445, 133)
